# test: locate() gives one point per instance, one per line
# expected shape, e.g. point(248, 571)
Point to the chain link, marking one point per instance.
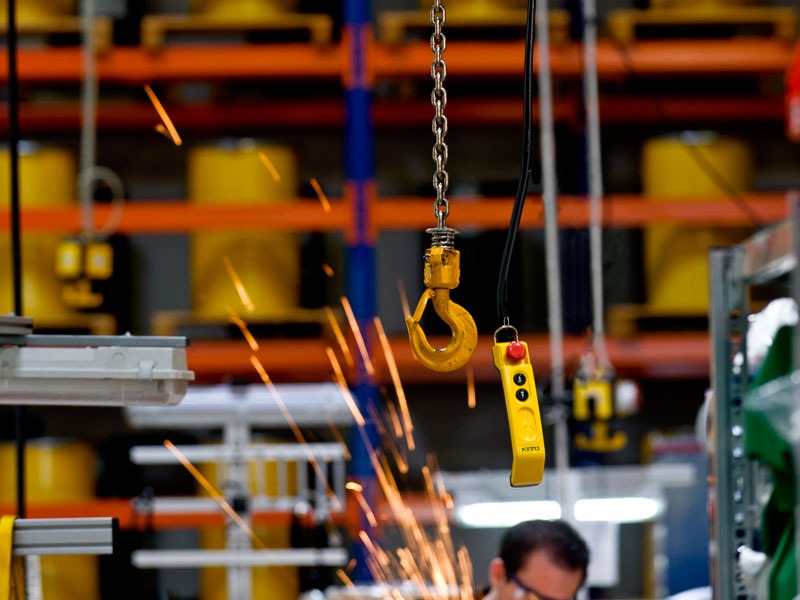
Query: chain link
point(441, 206)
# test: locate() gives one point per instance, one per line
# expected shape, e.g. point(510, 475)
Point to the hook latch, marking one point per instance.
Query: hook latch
point(442, 272)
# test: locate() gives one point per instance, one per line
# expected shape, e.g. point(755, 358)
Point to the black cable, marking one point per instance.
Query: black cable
point(16, 250)
point(525, 169)
point(699, 158)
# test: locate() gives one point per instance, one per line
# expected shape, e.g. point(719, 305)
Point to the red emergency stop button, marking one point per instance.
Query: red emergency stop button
point(515, 351)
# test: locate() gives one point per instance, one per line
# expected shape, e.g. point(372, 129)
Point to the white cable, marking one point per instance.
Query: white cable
point(89, 91)
point(100, 173)
point(552, 255)
point(594, 160)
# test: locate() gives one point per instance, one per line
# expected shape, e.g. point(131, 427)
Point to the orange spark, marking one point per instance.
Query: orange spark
point(340, 440)
point(212, 491)
point(337, 331)
point(237, 320)
point(370, 546)
point(173, 133)
point(362, 346)
point(344, 578)
point(340, 380)
point(449, 503)
point(162, 130)
point(268, 163)
point(398, 387)
point(395, 420)
point(287, 415)
point(470, 387)
point(326, 206)
point(237, 283)
point(402, 464)
point(362, 502)
point(328, 269)
point(401, 289)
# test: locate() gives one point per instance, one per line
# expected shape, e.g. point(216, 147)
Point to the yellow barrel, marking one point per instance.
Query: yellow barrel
point(266, 263)
point(47, 178)
point(38, 12)
point(275, 583)
point(475, 7)
point(239, 9)
point(56, 472)
point(676, 257)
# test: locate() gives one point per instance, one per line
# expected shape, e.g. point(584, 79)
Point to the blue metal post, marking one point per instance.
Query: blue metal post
point(361, 284)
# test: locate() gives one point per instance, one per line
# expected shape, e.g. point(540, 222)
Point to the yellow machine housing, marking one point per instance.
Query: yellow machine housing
point(524, 418)
point(268, 264)
point(676, 257)
point(593, 401)
point(47, 178)
point(56, 472)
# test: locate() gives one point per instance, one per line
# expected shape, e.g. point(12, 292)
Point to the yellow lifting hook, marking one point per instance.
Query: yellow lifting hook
point(442, 272)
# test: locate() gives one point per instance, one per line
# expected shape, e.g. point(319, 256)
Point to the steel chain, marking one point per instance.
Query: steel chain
point(441, 206)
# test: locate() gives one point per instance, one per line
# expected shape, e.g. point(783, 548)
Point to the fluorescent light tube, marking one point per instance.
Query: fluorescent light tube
point(506, 514)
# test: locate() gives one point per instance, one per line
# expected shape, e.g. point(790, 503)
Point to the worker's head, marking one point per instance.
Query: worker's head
point(539, 560)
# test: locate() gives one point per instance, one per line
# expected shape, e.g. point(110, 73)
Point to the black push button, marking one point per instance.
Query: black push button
point(520, 379)
point(522, 394)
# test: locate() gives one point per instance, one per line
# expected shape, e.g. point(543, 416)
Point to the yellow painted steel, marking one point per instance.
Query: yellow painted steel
point(12, 569)
point(275, 583)
point(441, 274)
point(266, 263)
point(676, 257)
point(47, 178)
point(475, 7)
point(37, 12)
point(239, 9)
point(56, 471)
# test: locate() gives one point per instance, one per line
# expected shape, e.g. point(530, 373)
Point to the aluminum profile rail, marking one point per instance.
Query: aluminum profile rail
point(50, 537)
point(187, 559)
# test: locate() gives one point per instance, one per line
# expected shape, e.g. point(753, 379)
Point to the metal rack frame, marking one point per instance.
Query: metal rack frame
point(770, 256)
point(237, 411)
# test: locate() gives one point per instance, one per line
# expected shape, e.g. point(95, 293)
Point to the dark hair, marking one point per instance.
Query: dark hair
point(563, 545)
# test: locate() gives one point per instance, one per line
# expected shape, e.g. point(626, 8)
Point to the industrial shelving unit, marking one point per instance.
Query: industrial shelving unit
point(656, 356)
point(651, 355)
point(769, 257)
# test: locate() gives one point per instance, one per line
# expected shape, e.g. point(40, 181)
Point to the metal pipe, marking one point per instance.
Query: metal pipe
point(553, 258)
point(89, 91)
point(595, 166)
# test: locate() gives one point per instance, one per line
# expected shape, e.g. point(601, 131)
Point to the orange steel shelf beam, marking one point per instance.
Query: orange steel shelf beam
point(685, 57)
point(619, 211)
point(389, 113)
point(665, 356)
point(409, 213)
point(201, 117)
point(490, 59)
point(177, 217)
point(172, 63)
